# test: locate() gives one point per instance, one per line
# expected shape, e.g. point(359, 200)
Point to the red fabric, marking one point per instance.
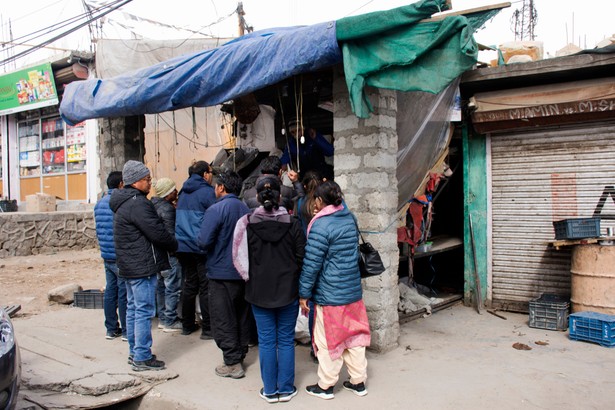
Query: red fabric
point(346, 327)
point(416, 213)
point(432, 184)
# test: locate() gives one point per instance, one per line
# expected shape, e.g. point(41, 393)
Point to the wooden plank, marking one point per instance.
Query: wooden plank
point(440, 244)
point(473, 80)
point(444, 14)
point(561, 243)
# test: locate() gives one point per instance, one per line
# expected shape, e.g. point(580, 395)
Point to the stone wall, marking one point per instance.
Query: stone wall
point(365, 169)
point(25, 233)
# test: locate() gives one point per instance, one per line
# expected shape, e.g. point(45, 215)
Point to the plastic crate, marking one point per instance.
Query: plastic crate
point(593, 327)
point(89, 299)
point(578, 228)
point(549, 312)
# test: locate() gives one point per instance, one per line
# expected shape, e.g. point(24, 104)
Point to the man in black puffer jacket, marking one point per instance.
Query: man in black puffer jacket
point(141, 246)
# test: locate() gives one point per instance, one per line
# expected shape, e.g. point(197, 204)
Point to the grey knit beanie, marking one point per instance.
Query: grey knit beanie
point(134, 171)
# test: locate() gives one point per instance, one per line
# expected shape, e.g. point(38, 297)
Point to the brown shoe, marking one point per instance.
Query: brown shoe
point(234, 371)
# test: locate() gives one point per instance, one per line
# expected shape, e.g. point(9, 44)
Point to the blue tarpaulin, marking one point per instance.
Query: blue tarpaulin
point(387, 49)
point(206, 78)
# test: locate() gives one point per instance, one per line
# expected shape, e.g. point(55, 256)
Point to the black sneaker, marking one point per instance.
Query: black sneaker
point(284, 397)
point(131, 359)
point(113, 335)
point(269, 398)
point(189, 330)
point(206, 335)
point(316, 390)
point(358, 389)
point(313, 356)
point(151, 364)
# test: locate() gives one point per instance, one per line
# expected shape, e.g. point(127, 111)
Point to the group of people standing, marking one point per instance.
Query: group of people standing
point(296, 250)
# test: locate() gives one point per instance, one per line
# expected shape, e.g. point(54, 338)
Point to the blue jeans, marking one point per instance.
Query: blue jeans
point(276, 347)
point(141, 310)
point(169, 289)
point(114, 300)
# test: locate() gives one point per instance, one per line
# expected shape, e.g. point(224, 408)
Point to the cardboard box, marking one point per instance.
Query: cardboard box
point(40, 203)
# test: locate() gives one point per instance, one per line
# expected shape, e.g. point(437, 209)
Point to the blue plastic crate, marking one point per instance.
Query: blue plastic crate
point(593, 327)
point(577, 228)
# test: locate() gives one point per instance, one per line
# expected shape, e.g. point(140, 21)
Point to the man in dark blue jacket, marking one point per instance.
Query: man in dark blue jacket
point(195, 197)
point(114, 302)
point(227, 305)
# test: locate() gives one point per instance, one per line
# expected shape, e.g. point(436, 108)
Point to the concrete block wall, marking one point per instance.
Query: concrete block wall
point(25, 233)
point(365, 168)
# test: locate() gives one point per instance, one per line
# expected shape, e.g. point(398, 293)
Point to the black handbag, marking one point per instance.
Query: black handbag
point(370, 263)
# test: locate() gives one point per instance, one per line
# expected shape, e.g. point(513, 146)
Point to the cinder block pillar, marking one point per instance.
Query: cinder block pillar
point(365, 168)
point(119, 140)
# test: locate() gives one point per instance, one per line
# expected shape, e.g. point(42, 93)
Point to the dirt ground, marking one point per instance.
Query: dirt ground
point(26, 280)
point(453, 359)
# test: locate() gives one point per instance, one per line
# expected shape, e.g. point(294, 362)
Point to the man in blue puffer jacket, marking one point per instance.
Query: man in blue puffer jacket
point(115, 289)
point(194, 198)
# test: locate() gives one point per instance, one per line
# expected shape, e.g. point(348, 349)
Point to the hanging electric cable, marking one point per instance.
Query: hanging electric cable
point(118, 4)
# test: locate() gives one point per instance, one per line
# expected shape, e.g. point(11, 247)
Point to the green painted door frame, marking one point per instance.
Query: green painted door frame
point(475, 204)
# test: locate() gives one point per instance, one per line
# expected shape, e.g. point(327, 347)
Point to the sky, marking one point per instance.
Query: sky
point(559, 22)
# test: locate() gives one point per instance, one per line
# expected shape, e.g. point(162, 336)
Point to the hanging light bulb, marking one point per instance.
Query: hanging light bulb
point(302, 139)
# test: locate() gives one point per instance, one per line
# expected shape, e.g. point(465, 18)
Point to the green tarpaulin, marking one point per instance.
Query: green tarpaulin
point(392, 50)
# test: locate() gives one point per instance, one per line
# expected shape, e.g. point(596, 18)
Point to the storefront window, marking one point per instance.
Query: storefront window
point(53, 146)
point(29, 148)
point(52, 158)
point(75, 147)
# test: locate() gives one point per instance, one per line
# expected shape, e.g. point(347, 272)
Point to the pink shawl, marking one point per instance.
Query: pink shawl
point(346, 327)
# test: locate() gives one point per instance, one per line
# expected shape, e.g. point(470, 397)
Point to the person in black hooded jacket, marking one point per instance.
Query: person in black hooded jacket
point(268, 251)
point(141, 246)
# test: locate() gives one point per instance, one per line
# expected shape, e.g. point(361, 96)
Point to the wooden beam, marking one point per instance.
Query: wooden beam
point(444, 14)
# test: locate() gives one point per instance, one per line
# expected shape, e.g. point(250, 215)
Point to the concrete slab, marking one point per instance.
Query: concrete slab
point(453, 359)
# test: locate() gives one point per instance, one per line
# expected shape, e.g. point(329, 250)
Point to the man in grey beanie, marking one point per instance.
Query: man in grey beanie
point(141, 246)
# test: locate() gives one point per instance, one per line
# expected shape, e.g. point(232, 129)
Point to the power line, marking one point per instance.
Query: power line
point(56, 26)
point(97, 14)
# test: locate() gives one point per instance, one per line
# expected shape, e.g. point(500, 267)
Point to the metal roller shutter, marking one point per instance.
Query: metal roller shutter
point(537, 178)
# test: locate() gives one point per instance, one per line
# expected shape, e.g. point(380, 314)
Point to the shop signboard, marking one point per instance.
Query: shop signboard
point(27, 89)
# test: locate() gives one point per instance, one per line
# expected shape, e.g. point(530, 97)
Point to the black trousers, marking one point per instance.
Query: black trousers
point(195, 282)
point(229, 318)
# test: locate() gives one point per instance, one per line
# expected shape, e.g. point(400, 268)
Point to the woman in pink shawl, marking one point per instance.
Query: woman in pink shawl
point(330, 278)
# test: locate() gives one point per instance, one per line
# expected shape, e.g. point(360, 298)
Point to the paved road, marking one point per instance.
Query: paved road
point(454, 359)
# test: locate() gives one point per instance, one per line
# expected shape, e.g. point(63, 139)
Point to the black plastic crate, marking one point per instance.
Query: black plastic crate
point(8, 205)
point(89, 299)
point(577, 228)
point(550, 312)
point(593, 327)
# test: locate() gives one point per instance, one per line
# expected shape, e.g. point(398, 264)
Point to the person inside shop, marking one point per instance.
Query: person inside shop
point(313, 147)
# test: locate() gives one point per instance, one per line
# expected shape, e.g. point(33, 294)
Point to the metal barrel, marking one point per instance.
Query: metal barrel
point(593, 279)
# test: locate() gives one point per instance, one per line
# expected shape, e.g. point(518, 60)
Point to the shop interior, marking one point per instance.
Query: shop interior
point(433, 264)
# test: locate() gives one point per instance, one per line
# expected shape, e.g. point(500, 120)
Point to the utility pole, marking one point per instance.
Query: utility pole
point(241, 21)
point(243, 26)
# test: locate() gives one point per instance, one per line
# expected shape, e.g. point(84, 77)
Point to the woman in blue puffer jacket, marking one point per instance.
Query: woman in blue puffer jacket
point(331, 279)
